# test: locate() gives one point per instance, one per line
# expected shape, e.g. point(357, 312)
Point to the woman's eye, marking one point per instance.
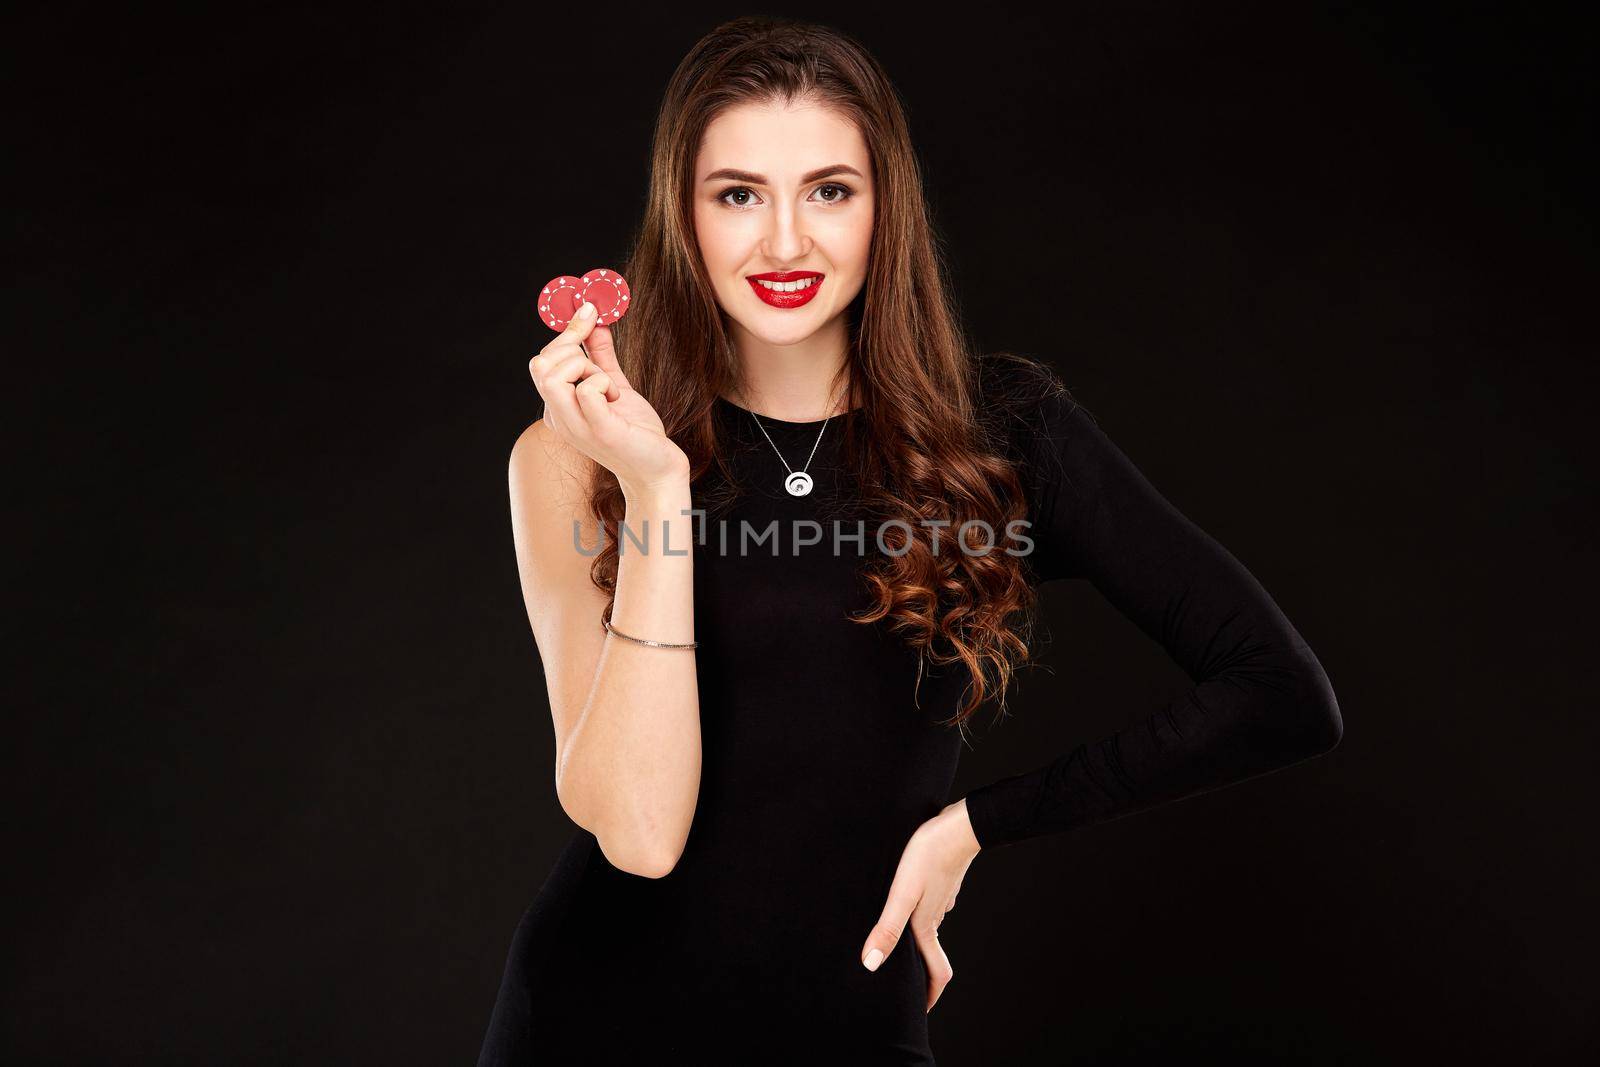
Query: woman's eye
point(741, 197)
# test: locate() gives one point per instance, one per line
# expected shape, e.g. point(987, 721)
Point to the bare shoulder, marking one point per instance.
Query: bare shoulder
point(548, 474)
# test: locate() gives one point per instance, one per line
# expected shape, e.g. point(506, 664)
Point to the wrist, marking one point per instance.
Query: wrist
point(661, 516)
point(666, 498)
point(958, 829)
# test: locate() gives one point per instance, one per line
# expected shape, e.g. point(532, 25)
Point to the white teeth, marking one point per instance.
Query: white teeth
point(786, 287)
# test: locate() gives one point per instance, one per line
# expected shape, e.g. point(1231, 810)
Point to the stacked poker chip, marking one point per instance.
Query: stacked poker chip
point(562, 297)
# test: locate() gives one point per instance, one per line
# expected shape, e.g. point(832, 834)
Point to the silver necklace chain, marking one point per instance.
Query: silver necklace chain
point(798, 483)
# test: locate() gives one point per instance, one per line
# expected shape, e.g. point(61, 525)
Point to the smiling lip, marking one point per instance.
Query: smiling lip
point(787, 301)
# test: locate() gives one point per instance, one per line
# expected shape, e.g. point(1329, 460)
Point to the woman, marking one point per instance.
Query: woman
point(759, 707)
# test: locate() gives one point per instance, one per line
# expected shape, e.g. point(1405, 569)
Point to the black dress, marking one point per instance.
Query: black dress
point(822, 753)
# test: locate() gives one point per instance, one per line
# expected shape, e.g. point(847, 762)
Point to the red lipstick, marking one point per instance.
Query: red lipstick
point(798, 298)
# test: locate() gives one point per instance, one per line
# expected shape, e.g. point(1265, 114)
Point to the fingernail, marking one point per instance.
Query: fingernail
point(874, 958)
point(587, 311)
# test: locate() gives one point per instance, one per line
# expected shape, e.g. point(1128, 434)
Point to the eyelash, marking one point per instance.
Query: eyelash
point(722, 197)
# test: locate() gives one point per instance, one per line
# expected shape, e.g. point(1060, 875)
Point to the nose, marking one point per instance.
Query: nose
point(786, 241)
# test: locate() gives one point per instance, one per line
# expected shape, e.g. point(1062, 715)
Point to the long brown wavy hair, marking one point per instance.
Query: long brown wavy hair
point(921, 449)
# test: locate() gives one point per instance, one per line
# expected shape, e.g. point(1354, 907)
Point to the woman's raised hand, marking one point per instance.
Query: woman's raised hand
point(590, 405)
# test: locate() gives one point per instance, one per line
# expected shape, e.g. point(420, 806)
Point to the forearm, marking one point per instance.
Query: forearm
point(1240, 725)
point(630, 770)
point(1261, 700)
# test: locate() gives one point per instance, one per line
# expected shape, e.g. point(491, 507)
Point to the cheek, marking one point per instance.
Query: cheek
point(850, 242)
point(854, 251)
point(722, 241)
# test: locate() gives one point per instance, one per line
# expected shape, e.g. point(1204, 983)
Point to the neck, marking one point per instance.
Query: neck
point(802, 382)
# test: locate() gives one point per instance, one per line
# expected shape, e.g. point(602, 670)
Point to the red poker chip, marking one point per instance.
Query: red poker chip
point(608, 292)
point(559, 301)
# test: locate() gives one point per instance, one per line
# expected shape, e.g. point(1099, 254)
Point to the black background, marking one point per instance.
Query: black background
point(280, 760)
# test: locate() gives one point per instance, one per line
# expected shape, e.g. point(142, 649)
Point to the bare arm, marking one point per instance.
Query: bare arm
point(626, 715)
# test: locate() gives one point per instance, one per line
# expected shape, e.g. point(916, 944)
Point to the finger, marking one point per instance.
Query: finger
point(935, 962)
point(571, 339)
point(538, 367)
point(555, 385)
point(567, 343)
point(588, 369)
point(891, 924)
point(592, 393)
point(603, 351)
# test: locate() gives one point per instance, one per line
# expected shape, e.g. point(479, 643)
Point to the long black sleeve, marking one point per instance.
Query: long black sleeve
point(1261, 700)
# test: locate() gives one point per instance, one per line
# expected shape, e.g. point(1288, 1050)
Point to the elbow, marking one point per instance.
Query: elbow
point(643, 859)
point(645, 853)
point(652, 850)
point(658, 867)
point(644, 843)
point(1327, 727)
point(1319, 724)
point(637, 842)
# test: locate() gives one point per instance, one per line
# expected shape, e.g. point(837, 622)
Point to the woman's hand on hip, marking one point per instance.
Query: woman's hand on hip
point(590, 406)
point(925, 885)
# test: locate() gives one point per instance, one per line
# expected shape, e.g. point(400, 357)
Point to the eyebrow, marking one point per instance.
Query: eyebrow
point(757, 179)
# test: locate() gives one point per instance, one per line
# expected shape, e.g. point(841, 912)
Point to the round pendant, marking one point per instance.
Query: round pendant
point(798, 483)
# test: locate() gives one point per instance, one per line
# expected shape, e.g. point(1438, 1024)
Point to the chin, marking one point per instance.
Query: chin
point(780, 334)
point(783, 338)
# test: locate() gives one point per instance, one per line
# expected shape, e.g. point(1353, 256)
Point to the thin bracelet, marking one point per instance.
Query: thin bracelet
point(653, 644)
